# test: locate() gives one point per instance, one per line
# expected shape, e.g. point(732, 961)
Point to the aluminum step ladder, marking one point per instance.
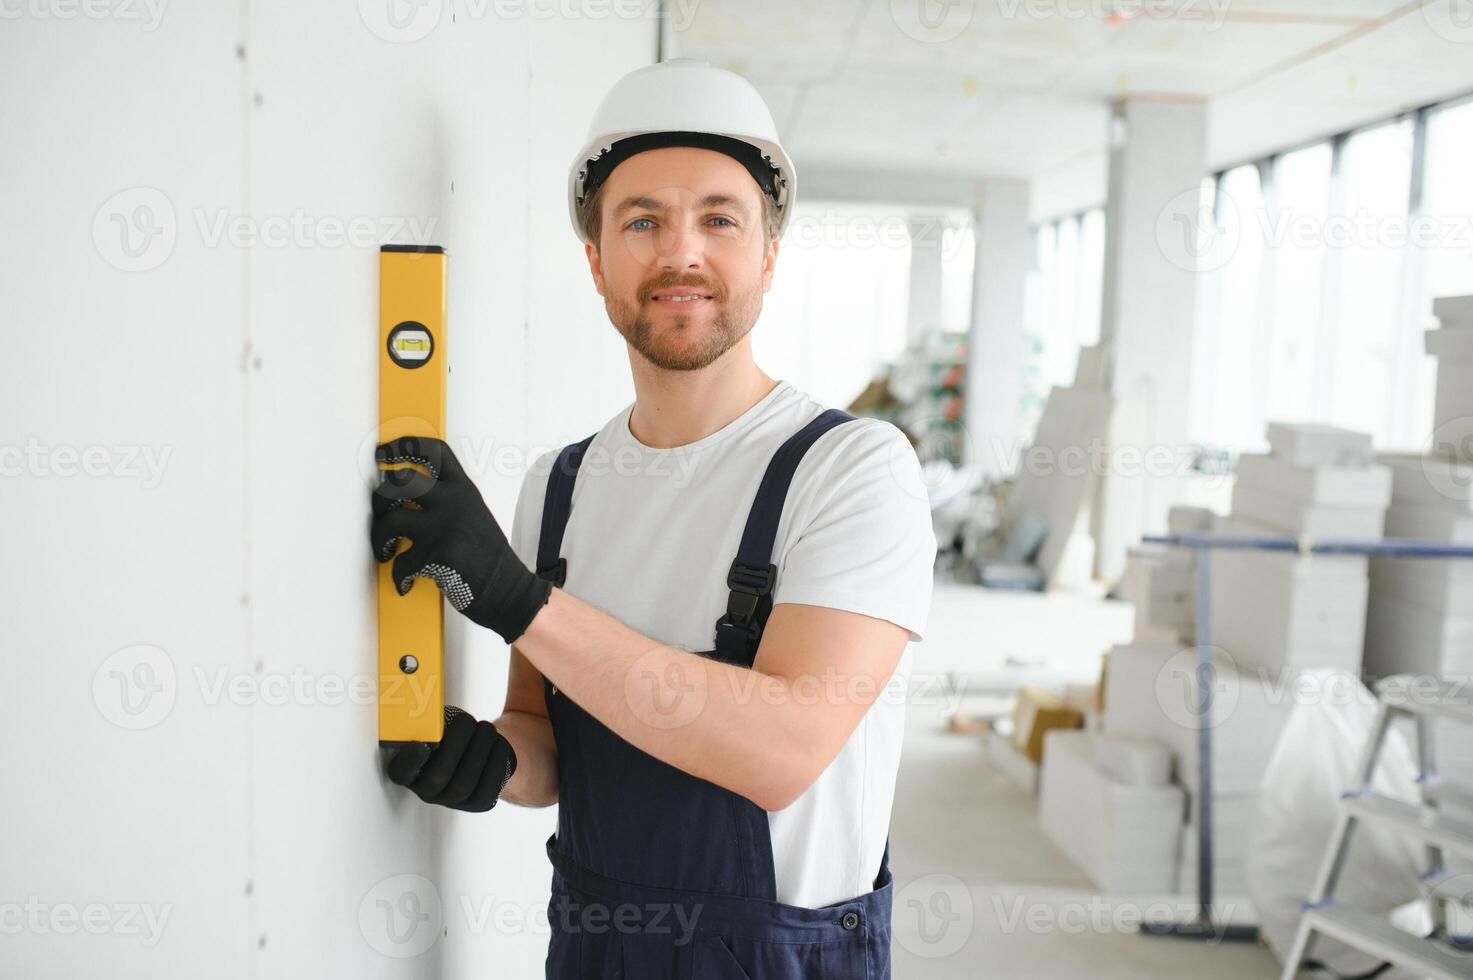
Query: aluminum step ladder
point(1425, 700)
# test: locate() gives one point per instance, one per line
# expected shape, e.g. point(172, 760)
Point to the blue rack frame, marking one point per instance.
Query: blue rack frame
point(1203, 545)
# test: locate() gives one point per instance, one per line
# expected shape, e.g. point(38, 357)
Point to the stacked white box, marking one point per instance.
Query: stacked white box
point(1322, 501)
point(1446, 586)
point(1232, 829)
point(1129, 843)
point(1319, 445)
point(1421, 609)
point(1161, 584)
point(1015, 767)
point(1183, 519)
point(1283, 611)
point(1452, 345)
point(1151, 692)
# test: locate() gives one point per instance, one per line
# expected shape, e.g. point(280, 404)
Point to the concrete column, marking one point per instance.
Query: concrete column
point(924, 310)
point(996, 347)
point(1154, 240)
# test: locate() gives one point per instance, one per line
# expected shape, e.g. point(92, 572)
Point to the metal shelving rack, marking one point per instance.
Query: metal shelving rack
point(1204, 927)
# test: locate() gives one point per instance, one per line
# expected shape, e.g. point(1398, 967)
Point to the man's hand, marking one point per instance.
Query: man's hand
point(455, 540)
point(466, 771)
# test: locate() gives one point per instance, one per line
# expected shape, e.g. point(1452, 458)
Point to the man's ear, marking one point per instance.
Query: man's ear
point(595, 266)
point(769, 264)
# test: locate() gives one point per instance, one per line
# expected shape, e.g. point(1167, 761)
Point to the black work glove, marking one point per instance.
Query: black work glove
point(455, 540)
point(467, 770)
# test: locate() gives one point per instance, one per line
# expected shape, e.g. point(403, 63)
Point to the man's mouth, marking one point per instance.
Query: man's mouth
point(682, 298)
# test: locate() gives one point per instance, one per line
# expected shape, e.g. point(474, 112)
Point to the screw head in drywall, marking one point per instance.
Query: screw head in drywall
point(409, 663)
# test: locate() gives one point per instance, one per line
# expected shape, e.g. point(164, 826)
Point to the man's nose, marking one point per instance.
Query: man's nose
point(683, 244)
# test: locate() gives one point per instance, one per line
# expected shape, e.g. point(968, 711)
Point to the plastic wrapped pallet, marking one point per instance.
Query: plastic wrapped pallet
point(1124, 836)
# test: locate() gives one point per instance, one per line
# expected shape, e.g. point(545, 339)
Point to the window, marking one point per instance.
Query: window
point(1062, 309)
point(837, 308)
point(1319, 283)
point(1369, 247)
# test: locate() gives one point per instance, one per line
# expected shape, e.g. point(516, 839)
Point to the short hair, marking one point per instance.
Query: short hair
point(590, 215)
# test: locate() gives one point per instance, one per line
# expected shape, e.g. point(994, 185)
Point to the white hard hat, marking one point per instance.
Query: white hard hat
point(684, 102)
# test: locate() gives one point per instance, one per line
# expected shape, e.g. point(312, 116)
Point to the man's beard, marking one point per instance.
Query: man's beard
point(671, 348)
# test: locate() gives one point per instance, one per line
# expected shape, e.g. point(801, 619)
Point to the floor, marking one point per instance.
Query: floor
point(980, 890)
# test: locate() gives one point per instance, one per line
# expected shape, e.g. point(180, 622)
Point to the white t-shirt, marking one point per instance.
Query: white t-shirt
point(653, 532)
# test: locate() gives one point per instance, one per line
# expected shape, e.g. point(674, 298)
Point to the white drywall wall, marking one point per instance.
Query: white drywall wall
point(190, 621)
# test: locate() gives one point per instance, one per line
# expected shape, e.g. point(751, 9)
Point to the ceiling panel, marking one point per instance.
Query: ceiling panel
point(1023, 87)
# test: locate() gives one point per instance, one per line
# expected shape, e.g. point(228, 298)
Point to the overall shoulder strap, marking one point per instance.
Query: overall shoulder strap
point(556, 506)
point(753, 574)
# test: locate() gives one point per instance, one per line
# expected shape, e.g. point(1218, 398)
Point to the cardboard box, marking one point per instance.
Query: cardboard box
point(1303, 444)
point(1036, 713)
point(1125, 837)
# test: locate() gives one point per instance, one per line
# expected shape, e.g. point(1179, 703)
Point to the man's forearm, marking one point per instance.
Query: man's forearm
point(739, 728)
point(534, 784)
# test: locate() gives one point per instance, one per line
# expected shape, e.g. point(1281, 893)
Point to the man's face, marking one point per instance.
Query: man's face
point(683, 257)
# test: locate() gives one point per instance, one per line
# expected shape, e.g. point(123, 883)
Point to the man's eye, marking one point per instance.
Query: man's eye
point(636, 221)
point(729, 222)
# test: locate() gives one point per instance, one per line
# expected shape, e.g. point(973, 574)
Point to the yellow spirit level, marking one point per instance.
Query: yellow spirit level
point(411, 402)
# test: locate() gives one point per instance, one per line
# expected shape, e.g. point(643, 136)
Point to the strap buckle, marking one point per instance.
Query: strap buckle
point(748, 584)
point(556, 573)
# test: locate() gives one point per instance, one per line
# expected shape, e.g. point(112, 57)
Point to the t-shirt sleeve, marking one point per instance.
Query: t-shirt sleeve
point(526, 524)
point(867, 544)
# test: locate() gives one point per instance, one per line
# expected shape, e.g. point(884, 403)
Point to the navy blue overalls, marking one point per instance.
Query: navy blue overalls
point(657, 873)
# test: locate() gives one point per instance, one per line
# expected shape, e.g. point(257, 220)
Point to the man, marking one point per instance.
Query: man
point(723, 812)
